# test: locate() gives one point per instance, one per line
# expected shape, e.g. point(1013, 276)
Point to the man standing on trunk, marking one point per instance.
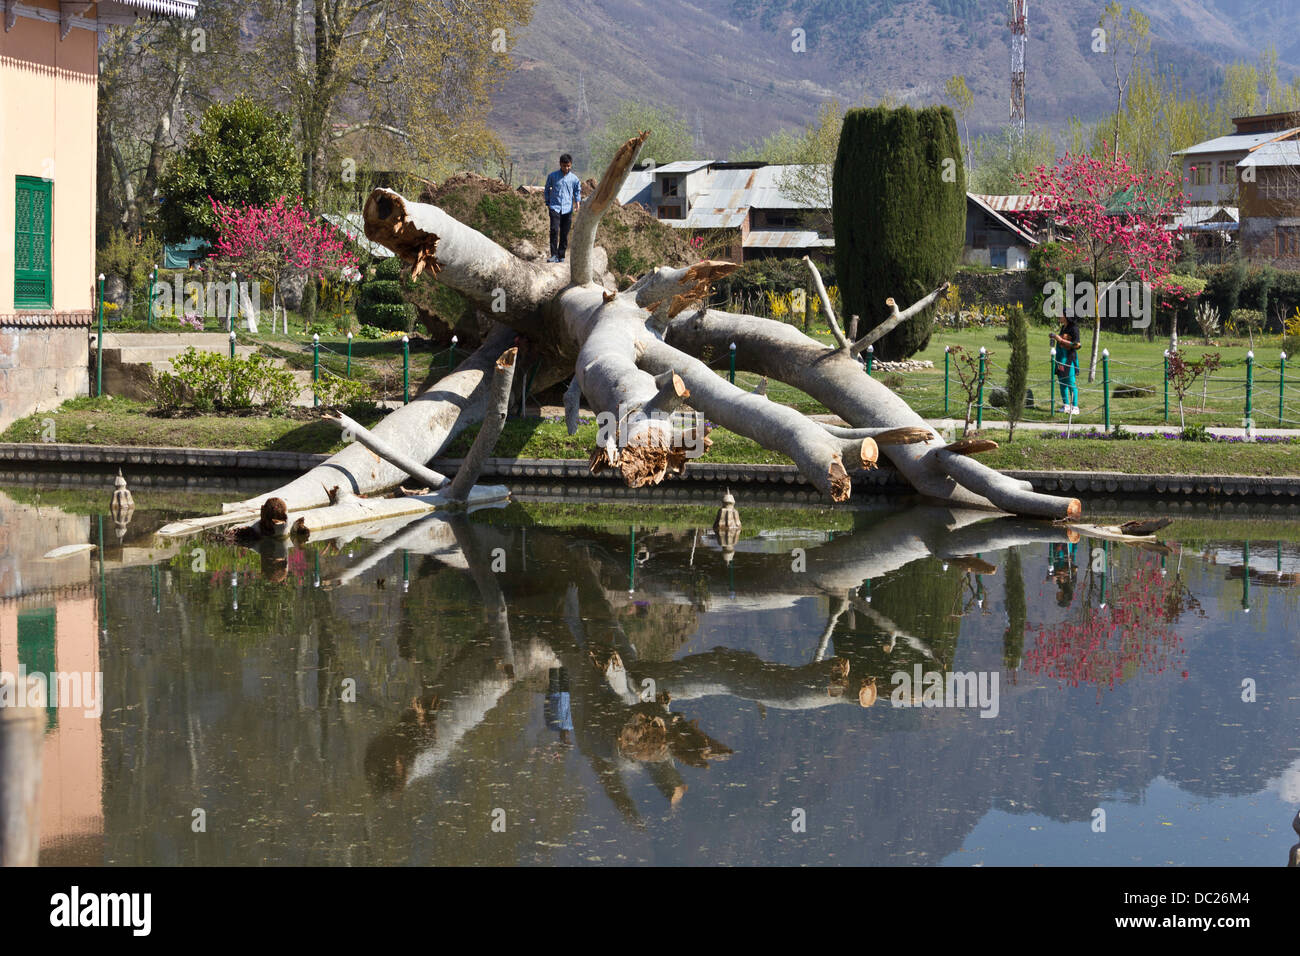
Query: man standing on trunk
point(563, 196)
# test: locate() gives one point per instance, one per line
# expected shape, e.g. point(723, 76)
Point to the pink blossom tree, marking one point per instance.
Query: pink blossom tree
point(1113, 218)
point(277, 241)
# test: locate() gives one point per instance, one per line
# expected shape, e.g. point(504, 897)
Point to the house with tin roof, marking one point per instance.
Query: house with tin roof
point(744, 211)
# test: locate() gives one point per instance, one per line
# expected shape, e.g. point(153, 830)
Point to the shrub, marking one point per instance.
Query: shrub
point(1195, 433)
point(130, 259)
point(381, 302)
point(338, 392)
point(209, 380)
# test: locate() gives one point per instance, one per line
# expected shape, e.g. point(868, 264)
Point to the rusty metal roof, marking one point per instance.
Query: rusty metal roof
point(786, 239)
point(1028, 203)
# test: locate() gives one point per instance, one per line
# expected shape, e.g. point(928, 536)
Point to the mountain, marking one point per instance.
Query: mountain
point(731, 69)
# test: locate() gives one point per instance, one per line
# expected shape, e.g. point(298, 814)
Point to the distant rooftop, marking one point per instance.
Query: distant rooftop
point(1237, 142)
point(185, 9)
point(1274, 154)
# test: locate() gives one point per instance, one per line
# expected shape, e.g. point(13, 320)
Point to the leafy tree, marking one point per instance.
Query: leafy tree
point(670, 137)
point(1003, 158)
point(959, 94)
point(277, 241)
point(1017, 368)
point(364, 80)
point(149, 80)
point(1114, 216)
point(243, 155)
point(899, 215)
point(1127, 37)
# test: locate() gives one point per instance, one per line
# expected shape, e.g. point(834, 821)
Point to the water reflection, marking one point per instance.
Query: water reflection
point(492, 689)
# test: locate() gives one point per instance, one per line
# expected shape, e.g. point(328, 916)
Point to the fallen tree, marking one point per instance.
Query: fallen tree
point(635, 356)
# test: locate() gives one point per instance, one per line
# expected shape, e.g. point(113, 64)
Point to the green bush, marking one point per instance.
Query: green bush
point(210, 380)
point(242, 154)
point(1195, 433)
point(335, 391)
point(381, 301)
point(625, 261)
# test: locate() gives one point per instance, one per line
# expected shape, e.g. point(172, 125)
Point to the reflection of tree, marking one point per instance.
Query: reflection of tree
point(1110, 644)
point(1013, 641)
point(624, 702)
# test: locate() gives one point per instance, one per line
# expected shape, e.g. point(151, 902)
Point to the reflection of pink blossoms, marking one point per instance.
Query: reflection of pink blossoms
point(1110, 645)
point(297, 564)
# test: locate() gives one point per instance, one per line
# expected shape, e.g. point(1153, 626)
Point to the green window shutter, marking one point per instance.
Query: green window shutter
point(33, 270)
point(36, 651)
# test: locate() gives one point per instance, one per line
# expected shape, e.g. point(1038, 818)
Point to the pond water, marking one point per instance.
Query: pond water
point(594, 683)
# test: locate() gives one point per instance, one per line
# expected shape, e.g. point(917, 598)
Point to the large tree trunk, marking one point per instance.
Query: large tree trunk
point(627, 351)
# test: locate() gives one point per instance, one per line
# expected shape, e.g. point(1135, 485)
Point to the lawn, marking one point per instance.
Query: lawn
point(116, 421)
point(1133, 361)
point(122, 421)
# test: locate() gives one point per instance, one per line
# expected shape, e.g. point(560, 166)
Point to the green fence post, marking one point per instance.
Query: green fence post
point(230, 306)
point(947, 350)
point(1250, 387)
point(1245, 576)
point(631, 559)
point(349, 375)
point(1166, 374)
point(153, 284)
point(1105, 387)
point(315, 366)
point(1051, 383)
point(232, 343)
point(731, 375)
point(1281, 388)
point(99, 343)
point(979, 405)
point(406, 369)
point(871, 358)
point(451, 353)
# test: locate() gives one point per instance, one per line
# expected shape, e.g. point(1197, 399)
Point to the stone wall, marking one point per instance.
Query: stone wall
point(994, 288)
point(40, 367)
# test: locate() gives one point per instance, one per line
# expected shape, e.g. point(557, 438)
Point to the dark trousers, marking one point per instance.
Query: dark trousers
point(560, 222)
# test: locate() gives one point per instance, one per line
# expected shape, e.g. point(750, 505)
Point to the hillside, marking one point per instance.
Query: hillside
point(728, 66)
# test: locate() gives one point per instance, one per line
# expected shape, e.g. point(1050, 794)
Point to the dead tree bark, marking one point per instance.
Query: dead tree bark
point(632, 354)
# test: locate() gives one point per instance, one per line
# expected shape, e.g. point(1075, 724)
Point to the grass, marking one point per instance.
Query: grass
point(122, 421)
point(1036, 451)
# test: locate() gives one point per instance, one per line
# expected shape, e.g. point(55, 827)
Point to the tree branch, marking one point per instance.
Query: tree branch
point(583, 237)
point(826, 303)
point(891, 323)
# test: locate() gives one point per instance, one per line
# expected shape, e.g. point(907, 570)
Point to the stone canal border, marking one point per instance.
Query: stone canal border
point(42, 456)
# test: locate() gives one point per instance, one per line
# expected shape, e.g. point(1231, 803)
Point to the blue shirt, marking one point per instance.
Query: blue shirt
point(563, 192)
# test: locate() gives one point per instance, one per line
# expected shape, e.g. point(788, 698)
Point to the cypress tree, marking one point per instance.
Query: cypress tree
point(1017, 368)
point(899, 206)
